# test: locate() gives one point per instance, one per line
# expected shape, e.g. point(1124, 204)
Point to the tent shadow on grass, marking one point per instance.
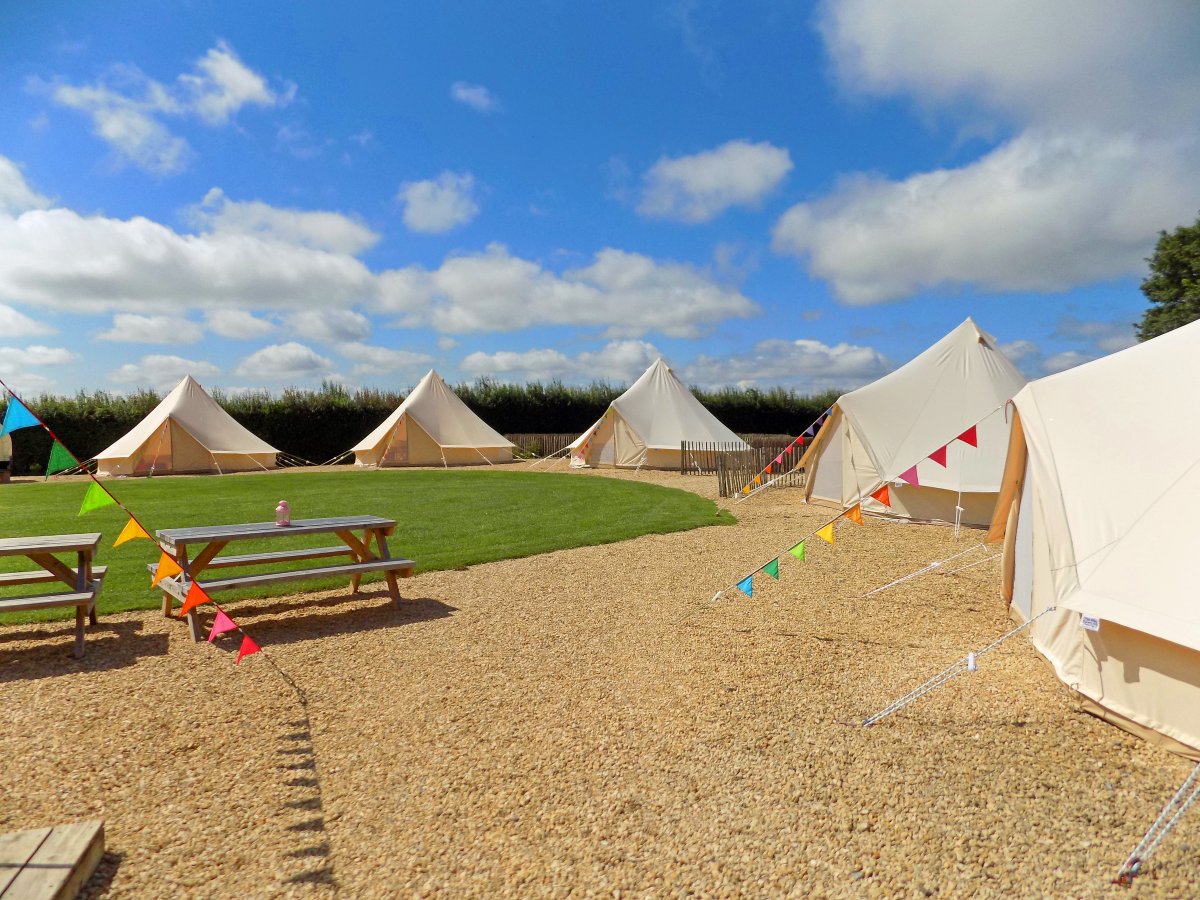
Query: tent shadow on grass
point(106, 646)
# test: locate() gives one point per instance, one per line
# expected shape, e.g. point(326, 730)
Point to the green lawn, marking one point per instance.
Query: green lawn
point(446, 519)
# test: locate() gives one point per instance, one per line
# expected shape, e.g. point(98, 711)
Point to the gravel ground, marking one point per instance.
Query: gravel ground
point(590, 723)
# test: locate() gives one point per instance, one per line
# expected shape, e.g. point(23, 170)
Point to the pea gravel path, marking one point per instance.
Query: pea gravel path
point(587, 723)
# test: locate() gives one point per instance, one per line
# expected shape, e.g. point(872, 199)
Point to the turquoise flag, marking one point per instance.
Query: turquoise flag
point(746, 586)
point(17, 416)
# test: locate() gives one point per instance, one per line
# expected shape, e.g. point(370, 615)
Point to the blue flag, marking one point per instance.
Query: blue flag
point(746, 586)
point(17, 416)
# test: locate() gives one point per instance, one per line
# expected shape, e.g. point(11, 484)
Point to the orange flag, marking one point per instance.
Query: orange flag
point(248, 647)
point(758, 479)
point(167, 567)
point(826, 533)
point(131, 532)
point(883, 496)
point(195, 597)
point(854, 514)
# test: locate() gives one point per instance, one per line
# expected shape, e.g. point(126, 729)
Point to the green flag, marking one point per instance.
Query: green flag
point(95, 498)
point(798, 551)
point(772, 568)
point(60, 460)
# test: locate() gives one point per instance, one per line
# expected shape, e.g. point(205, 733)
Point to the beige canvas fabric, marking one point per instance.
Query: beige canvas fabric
point(187, 433)
point(646, 424)
point(432, 427)
point(882, 430)
point(1096, 522)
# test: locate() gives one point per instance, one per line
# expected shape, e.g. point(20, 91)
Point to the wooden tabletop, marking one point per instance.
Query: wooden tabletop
point(52, 543)
point(176, 536)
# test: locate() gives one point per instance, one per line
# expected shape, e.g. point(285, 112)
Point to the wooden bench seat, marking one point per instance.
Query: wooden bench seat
point(250, 559)
point(83, 601)
point(179, 586)
point(41, 576)
point(50, 863)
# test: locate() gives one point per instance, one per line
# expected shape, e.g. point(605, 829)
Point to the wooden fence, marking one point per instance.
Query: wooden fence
point(734, 466)
point(531, 446)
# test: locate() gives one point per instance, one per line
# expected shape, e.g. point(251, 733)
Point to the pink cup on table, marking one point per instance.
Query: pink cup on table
point(283, 514)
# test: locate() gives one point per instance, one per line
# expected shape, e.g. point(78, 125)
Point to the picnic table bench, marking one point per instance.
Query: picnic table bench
point(212, 539)
point(82, 581)
point(50, 863)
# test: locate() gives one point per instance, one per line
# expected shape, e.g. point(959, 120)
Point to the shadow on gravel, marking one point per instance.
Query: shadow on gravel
point(302, 807)
point(106, 646)
point(100, 881)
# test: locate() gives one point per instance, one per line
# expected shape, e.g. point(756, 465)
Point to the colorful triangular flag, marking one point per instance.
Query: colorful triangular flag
point(95, 498)
point(854, 514)
point(970, 436)
point(746, 489)
point(883, 496)
point(797, 551)
point(17, 416)
point(248, 648)
point(757, 480)
point(939, 456)
point(910, 477)
point(826, 533)
point(746, 585)
point(221, 624)
point(131, 532)
point(779, 460)
point(196, 596)
point(60, 460)
point(772, 568)
point(167, 568)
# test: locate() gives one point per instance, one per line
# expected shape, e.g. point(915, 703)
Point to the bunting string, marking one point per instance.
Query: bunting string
point(779, 466)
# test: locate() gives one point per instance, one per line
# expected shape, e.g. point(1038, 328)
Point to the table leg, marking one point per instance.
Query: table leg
point(194, 629)
point(79, 632)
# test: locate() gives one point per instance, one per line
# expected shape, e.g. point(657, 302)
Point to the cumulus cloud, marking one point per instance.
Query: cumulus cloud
point(237, 324)
point(162, 371)
point(14, 359)
point(371, 360)
point(14, 324)
point(223, 84)
point(435, 206)
point(1106, 337)
point(476, 96)
point(803, 365)
point(618, 362)
point(329, 325)
point(283, 361)
point(1068, 359)
point(318, 229)
point(700, 187)
point(626, 294)
point(135, 329)
point(16, 196)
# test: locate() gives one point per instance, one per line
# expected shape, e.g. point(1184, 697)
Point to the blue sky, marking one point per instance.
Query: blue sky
point(805, 194)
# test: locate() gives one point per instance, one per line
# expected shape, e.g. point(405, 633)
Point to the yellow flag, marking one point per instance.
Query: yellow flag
point(854, 514)
point(131, 532)
point(826, 533)
point(746, 489)
point(166, 568)
point(758, 479)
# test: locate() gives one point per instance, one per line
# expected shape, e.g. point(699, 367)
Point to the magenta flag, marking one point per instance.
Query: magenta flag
point(221, 624)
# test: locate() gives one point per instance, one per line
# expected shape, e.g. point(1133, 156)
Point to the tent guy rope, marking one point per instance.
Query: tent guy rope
point(1187, 794)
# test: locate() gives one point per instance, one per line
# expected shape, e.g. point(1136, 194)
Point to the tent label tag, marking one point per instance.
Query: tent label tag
point(1091, 623)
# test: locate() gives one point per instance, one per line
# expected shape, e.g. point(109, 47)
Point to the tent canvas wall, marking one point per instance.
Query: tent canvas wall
point(879, 432)
point(1095, 514)
point(187, 433)
point(645, 425)
point(432, 427)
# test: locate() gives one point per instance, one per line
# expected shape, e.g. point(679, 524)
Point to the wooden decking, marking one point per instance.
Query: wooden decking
point(49, 863)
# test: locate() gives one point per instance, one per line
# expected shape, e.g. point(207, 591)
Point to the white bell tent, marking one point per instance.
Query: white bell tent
point(644, 427)
point(934, 430)
point(432, 427)
point(187, 433)
point(1095, 513)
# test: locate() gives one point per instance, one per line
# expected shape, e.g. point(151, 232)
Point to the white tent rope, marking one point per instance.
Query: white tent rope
point(967, 664)
point(158, 447)
point(484, 455)
point(978, 562)
point(929, 568)
point(391, 439)
point(1175, 807)
point(537, 462)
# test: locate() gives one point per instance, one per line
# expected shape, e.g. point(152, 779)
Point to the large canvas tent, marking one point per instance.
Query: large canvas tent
point(644, 427)
point(432, 427)
point(1096, 517)
point(889, 428)
point(187, 433)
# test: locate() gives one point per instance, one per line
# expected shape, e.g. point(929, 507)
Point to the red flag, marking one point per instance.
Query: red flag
point(970, 436)
point(221, 624)
point(883, 496)
point(791, 447)
point(939, 456)
point(247, 649)
point(195, 597)
point(911, 477)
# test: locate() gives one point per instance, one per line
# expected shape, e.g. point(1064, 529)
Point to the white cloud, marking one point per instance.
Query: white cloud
point(700, 187)
point(319, 230)
point(627, 294)
point(280, 361)
point(439, 205)
point(618, 362)
point(1068, 359)
point(16, 196)
point(13, 360)
point(237, 324)
point(135, 329)
point(162, 371)
point(476, 96)
point(1106, 337)
point(446, 343)
point(329, 325)
point(14, 324)
point(803, 365)
point(224, 85)
point(370, 360)
point(1043, 212)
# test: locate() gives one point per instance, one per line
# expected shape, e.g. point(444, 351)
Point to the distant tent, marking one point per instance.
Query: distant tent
point(645, 425)
point(432, 427)
point(187, 433)
point(1096, 517)
point(890, 427)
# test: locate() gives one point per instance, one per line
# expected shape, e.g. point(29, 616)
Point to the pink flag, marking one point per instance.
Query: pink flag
point(779, 459)
point(221, 624)
point(910, 477)
point(248, 647)
point(939, 456)
point(970, 436)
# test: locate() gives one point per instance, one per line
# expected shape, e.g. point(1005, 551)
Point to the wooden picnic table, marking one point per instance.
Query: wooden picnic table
point(357, 534)
point(82, 581)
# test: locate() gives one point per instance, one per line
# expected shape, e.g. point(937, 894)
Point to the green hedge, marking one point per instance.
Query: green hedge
point(318, 425)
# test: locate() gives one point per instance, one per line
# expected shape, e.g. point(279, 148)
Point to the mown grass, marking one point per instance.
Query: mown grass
point(445, 519)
